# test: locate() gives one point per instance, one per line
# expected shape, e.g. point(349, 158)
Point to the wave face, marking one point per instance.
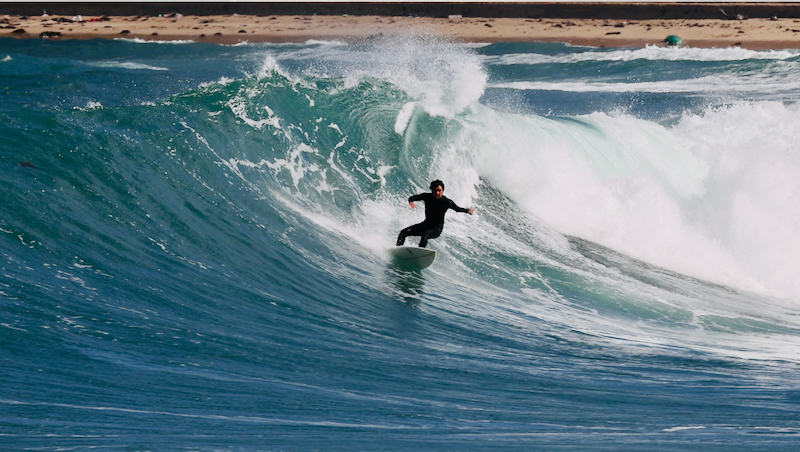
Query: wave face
point(194, 247)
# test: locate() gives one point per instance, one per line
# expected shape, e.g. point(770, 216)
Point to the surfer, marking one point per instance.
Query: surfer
point(436, 205)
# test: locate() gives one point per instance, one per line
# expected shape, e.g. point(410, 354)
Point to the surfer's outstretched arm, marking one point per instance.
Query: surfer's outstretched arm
point(412, 198)
point(455, 207)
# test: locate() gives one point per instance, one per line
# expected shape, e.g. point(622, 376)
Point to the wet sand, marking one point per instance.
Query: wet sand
point(754, 33)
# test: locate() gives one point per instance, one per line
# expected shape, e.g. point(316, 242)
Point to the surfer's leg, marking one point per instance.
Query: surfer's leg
point(401, 239)
point(429, 234)
point(414, 230)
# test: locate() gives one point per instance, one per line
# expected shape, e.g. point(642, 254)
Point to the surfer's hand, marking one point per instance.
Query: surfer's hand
point(411, 203)
point(471, 211)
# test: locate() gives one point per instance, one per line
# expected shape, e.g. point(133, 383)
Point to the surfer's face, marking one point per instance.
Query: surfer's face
point(437, 191)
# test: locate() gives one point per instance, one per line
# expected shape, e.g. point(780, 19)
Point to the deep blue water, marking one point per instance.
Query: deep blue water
point(194, 247)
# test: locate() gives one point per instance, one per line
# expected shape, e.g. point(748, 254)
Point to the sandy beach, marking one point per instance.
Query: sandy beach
point(753, 33)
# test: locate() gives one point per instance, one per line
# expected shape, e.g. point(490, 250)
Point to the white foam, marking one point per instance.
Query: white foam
point(714, 197)
point(404, 117)
point(320, 42)
point(751, 200)
point(769, 82)
point(221, 82)
point(127, 65)
point(652, 53)
point(91, 105)
point(155, 41)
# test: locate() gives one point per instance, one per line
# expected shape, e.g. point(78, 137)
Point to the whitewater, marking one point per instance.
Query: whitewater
point(194, 247)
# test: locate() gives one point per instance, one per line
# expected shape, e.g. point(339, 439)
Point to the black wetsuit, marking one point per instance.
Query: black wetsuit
point(434, 218)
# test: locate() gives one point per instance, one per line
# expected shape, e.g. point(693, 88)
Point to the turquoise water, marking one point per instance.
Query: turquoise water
point(194, 247)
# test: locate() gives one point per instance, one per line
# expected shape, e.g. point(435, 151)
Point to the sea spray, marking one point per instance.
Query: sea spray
point(695, 198)
point(749, 204)
point(442, 77)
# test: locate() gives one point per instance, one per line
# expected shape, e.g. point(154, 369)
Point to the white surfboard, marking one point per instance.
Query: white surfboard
point(413, 256)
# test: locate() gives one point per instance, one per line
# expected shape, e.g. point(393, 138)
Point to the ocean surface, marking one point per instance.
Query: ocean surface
point(194, 247)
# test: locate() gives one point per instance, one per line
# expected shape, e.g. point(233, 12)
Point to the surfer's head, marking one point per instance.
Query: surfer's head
point(437, 188)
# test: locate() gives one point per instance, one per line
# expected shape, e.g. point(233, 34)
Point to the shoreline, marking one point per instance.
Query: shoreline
point(753, 33)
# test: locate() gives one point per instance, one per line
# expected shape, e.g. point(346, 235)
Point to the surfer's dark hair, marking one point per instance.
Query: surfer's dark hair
point(437, 183)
